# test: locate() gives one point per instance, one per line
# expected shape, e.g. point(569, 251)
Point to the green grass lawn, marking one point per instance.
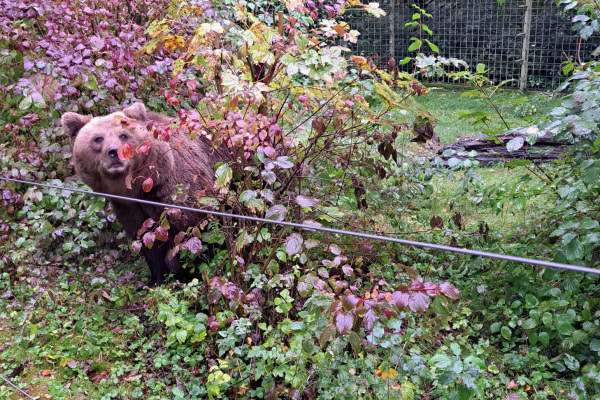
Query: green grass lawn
point(517, 108)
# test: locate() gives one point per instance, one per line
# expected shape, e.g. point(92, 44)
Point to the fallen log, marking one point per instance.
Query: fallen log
point(486, 150)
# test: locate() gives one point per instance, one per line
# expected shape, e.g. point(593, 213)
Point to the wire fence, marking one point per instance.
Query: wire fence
point(523, 40)
point(477, 253)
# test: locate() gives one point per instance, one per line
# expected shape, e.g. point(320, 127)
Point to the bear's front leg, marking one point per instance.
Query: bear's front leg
point(156, 258)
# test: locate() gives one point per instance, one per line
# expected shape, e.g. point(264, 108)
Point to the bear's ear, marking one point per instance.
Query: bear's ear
point(136, 111)
point(73, 122)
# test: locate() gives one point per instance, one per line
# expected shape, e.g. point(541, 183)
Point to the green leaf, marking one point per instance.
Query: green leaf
point(571, 362)
point(181, 335)
point(495, 327)
point(432, 46)
point(354, 342)
point(515, 144)
point(447, 377)
point(531, 301)
point(416, 44)
point(25, 104)
point(529, 324)
point(223, 176)
point(506, 332)
point(440, 361)
point(480, 68)
point(563, 326)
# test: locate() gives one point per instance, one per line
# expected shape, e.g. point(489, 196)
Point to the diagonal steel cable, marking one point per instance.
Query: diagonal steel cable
point(477, 253)
point(16, 387)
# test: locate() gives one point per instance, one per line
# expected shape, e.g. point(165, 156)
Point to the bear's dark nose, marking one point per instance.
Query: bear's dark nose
point(113, 152)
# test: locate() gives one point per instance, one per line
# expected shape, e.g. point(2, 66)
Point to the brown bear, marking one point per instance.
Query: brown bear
point(96, 143)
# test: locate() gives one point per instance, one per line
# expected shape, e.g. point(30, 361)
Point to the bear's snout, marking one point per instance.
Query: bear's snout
point(113, 152)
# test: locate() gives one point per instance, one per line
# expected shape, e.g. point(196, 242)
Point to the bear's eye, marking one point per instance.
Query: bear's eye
point(123, 137)
point(99, 139)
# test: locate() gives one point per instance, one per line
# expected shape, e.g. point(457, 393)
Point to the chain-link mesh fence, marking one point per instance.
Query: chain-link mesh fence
point(480, 31)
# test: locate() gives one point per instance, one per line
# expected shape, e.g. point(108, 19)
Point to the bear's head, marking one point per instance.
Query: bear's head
point(96, 143)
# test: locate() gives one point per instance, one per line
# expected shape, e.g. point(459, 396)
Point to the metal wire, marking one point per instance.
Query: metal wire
point(16, 387)
point(523, 260)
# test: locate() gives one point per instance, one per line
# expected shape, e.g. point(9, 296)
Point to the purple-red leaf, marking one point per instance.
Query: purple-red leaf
point(350, 302)
point(416, 286)
point(161, 234)
point(148, 239)
point(432, 289)
point(400, 300)
point(449, 290)
point(303, 288)
point(137, 246)
point(277, 212)
point(214, 295)
point(335, 307)
point(326, 335)
point(304, 201)
point(369, 320)
point(194, 245)
point(147, 185)
point(179, 237)
point(348, 271)
point(335, 249)
point(419, 302)
point(344, 322)
point(212, 323)
point(293, 244)
point(125, 151)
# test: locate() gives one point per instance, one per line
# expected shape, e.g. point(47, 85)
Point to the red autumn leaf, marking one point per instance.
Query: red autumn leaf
point(293, 244)
point(105, 295)
point(400, 300)
point(416, 286)
point(350, 302)
point(148, 239)
point(175, 212)
point(125, 151)
point(179, 237)
point(269, 151)
point(145, 226)
point(344, 322)
point(335, 249)
point(161, 234)
point(128, 179)
point(432, 289)
point(173, 252)
point(335, 307)
point(212, 323)
point(449, 290)
point(369, 320)
point(194, 245)
point(143, 148)
point(137, 246)
point(275, 130)
point(304, 201)
point(147, 185)
point(326, 335)
point(191, 85)
point(419, 302)
point(348, 271)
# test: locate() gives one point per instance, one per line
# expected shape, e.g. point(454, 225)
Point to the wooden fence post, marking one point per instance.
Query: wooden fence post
point(392, 25)
point(525, 51)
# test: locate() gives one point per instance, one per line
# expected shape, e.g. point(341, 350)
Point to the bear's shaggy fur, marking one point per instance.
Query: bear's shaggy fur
point(96, 141)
